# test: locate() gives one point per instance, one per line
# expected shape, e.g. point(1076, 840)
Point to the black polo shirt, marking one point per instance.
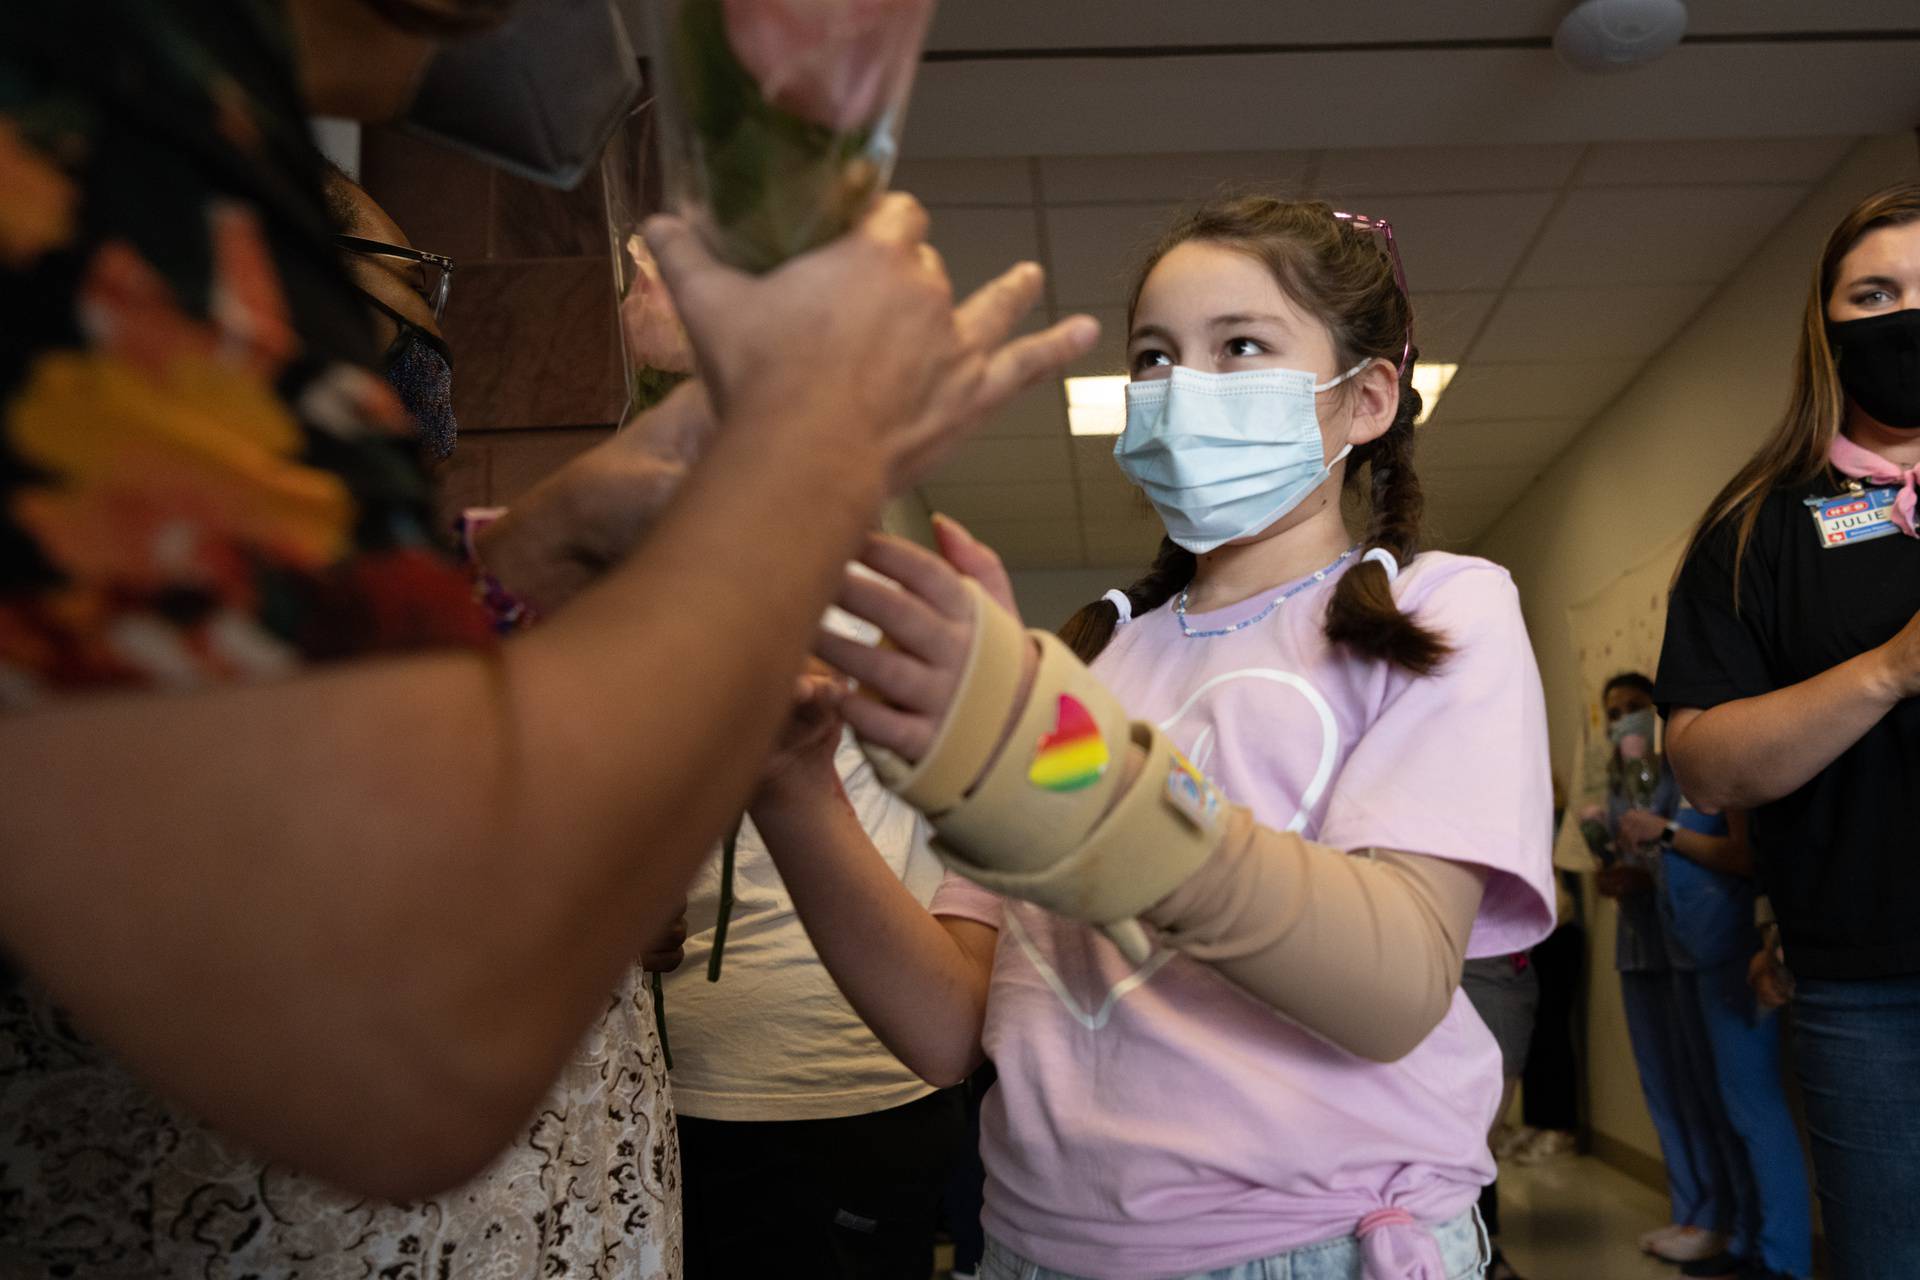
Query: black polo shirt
point(1840, 856)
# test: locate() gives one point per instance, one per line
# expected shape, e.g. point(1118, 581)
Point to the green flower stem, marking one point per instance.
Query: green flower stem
point(727, 848)
point(649, 386)
point(660, 1017)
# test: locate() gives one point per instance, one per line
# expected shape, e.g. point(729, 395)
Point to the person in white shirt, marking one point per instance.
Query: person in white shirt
point(807, 1148)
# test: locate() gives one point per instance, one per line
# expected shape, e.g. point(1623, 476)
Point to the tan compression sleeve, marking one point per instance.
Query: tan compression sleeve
point(1363, 951)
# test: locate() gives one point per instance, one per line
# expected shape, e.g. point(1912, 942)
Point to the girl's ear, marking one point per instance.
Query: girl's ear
point(1375, 401)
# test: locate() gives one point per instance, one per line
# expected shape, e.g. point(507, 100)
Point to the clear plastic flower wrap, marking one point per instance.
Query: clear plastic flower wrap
point(657, 353)
point(781, 119)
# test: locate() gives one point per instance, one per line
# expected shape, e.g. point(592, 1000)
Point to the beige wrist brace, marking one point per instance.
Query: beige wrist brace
point(964, 743)
point(1045, 823)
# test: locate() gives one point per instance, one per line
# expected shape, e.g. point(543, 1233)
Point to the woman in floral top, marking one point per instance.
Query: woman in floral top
point(293, 845)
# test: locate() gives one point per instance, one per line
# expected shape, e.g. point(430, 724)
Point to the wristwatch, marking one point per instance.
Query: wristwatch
point(1673, 829)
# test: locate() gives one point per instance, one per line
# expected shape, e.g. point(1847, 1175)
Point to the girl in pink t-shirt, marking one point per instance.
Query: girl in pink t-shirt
point(1288, 1070)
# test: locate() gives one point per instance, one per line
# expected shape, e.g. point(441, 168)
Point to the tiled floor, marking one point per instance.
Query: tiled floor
point(1578, 1219)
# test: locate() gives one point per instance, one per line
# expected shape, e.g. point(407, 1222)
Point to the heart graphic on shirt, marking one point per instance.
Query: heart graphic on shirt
point(1198, 717)
point(1092, 984)
point(1073, 755)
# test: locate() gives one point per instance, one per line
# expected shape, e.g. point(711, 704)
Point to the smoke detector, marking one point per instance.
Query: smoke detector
point(1617, 35)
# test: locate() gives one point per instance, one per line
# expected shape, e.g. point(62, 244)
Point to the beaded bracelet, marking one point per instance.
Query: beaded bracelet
point(508, 611)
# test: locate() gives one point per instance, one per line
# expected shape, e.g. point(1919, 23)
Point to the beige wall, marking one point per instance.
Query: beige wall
point(1639, 476)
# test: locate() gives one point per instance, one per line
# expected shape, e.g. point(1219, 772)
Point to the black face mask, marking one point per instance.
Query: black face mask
point(419, 369)
point(1879, 360)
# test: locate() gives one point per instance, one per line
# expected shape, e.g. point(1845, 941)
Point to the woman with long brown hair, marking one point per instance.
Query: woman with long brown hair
point(1791, 664)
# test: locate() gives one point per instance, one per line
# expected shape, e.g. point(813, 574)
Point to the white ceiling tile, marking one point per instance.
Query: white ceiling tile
point(1744, 16)
point(1130, 543)
point(1452, 242)
point(989, 24)
point(1364, 171)
point(1113, 501)
point(1041, 411)
point(1032, 544)
point(1109, 355)
point(1000, 459)
point(1525, 444)
point(943, 183)
point(999, 23)
point(1093, 456)
point(1525, 392)
point(1021, 500)
point(1626, 323)
point(1181, 177)
point(1444, 323)
point(1105, 492)
point(979, 244)
point(1403, 97)
point(1095, 250)
point(1793, 160)
point(1655, 235)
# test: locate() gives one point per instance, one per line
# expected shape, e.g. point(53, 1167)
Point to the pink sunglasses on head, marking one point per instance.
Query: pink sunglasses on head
point(1385, 229)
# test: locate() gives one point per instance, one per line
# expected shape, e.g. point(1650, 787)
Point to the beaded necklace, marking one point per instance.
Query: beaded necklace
point(1180, 605)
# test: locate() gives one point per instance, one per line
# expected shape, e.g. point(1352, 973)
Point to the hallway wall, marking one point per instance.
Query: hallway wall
point(1638, 477)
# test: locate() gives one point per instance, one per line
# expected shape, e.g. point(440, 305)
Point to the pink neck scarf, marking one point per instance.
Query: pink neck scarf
point(1861, 463)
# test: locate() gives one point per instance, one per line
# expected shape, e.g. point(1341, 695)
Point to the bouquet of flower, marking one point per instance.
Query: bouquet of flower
point(781, 118)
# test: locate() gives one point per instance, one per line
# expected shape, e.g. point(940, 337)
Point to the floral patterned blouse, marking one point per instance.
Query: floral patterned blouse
point(201, 482)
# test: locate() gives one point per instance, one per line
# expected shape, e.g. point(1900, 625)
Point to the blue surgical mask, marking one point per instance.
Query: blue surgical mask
point(1639, 723)
point(1223, 456)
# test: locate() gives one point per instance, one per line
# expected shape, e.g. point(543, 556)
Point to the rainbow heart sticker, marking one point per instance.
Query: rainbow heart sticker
point(1073, 755)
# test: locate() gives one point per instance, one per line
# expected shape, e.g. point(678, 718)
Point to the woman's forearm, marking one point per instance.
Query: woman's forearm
point(359, 917)
point(920, 983)
point(1753, 751)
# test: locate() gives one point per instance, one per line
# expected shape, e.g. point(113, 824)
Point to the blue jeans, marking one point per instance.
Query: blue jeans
point(1679, 1094)
point(1775, 1213)
point(1857, 1045)
point(1463, 1248)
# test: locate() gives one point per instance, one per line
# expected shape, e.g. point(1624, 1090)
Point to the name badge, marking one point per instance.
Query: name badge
point(1859, 516)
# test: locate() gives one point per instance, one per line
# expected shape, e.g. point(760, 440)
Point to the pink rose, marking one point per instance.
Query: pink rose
point(1633, 746)
point(838, 63)
point(655, 337)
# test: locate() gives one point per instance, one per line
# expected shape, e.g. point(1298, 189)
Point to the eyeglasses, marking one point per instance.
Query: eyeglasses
point(436, 269)
point(1385, 228)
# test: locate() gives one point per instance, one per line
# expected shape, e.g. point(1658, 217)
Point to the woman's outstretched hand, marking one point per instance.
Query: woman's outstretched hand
point(865, 328)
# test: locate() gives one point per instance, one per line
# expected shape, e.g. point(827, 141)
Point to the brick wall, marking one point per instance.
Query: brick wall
point(530, 320)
